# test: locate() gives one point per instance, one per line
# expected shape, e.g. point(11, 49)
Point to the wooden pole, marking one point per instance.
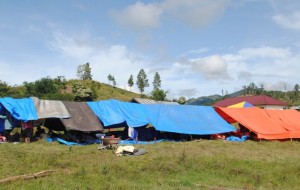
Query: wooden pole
point(28, 176)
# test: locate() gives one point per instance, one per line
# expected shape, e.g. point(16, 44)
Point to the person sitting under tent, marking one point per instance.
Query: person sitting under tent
point(243, 131)
point(39, 132)
point(218, 136)
point(27, 130)
point(133, 133)
point(15, 137)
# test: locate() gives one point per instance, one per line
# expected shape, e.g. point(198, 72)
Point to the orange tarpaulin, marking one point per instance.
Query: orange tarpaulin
point(289, 119)
point(261, 122)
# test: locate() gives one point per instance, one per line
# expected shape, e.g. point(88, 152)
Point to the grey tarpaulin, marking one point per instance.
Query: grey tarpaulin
point(50, 109)
point(82, 118)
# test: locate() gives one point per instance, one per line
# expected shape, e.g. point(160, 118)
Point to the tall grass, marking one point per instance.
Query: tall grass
point(182, 165)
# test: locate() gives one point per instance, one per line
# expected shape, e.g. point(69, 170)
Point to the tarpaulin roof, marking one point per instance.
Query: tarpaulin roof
point(267, 124)
point(82, 118)
point(50, 109)
point(289, 119)
point(21, 109)
point(170, 118)
point(254, 100)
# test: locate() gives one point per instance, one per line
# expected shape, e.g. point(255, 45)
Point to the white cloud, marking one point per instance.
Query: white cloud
point(268, 65)
point(138, 16)
point(104, 59)
point(290, 21)
point(275, 68)
point(212, 67)
point(279, 85)
point(194, 52)
point(258, 53)
point(195, 13)
point(73, 46)
point(189, 92)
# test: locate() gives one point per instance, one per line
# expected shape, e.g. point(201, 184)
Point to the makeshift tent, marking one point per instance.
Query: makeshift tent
point(21, 109)
point(50, 109)
point(243, 104)
point(289, 119)
point(82, 119)
point(263, 122)
point(199, 120)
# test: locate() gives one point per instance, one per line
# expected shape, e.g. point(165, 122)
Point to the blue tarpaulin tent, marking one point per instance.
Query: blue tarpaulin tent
point(185, 119)
point(21, 109)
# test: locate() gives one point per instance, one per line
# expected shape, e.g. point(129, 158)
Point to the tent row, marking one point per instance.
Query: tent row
point(187, 119)
point(92, 116)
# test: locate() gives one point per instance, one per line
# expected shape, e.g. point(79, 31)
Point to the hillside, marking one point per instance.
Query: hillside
point(204, 100)
point(67, 90)
point(104, 91)
point(290, 97)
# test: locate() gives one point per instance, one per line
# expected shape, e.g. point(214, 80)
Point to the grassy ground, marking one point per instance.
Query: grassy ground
point(183, 165)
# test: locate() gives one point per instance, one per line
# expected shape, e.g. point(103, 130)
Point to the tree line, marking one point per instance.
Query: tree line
point(142, 82)
point(85, 89)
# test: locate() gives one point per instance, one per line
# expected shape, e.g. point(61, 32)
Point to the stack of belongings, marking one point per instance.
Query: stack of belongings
point(129, 150)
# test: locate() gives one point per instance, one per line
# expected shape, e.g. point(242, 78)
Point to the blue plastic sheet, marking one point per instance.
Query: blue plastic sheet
point(21, 109)
point(142, 142)
point(237, 139)
point(68, 143)
point(185, 119)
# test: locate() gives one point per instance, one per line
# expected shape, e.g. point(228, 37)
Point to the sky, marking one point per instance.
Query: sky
point(198, 47)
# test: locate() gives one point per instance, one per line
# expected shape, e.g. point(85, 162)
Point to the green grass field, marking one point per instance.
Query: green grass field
point(206, 164)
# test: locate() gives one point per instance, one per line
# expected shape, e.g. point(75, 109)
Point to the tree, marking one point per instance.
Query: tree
point(296, 91)
point(142, 81)
point(109, 77)
point(80, 70)
point(82, 92)
point(252, 88)
point(130, 81)
point(84, 72)
point(244, 90)
point(296, 88)
point(113, 81)
point(157, 81)
point(4, 88)
point(182, 100)
point(159, 94)
point(42, 88)
point(261, 89)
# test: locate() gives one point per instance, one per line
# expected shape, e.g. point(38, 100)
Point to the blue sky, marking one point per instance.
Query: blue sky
point(199, 47)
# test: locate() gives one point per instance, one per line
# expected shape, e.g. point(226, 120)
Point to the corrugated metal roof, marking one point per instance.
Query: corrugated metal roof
point(168, 103)
point(254, 100)
point(143, 101)
point(149, 101)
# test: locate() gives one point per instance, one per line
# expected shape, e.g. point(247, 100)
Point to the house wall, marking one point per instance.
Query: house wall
point(272, 107)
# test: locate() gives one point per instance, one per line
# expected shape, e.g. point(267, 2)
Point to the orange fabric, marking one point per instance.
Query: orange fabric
point(256, 120)
point(289, 119)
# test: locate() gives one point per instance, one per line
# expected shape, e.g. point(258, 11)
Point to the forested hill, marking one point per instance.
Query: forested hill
point(71, 90)
point(291, 97)
point(204, 100)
